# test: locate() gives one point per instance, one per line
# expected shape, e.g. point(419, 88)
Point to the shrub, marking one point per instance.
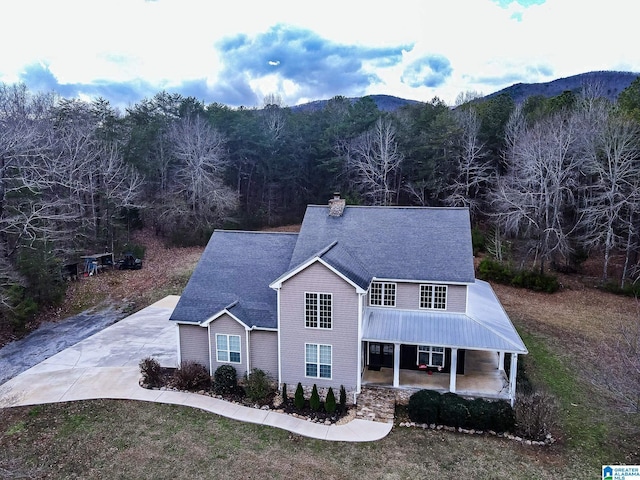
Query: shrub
point(424, 406)
point(314, 400)
point(492, 270)
point(225, 380)
point(502, 416)
point(480, 412)
point(535, 415)
point(257, 385)
point(191, 376)
point(151, 372)
point(284, 392)
point(343, 398)
point(454, 411)
point(330, 401)
point(298, 399)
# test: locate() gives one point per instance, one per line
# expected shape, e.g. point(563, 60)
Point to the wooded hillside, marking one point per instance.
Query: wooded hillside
point(559, 175)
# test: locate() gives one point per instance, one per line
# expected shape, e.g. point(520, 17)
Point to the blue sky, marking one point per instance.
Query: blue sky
point(238, 52)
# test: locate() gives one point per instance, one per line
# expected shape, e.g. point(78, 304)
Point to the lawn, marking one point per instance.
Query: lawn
point(126, 439)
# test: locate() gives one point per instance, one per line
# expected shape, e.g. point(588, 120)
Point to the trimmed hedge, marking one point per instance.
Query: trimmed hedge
point(428, 406)
point(225, 380)
point(532, 280)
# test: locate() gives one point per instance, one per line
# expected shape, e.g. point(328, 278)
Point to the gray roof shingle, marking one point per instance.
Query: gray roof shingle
point(234, 272)
point(412, 243)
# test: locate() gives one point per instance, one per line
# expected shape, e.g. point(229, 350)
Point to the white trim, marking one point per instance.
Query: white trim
point(228, 350)
point(430, 352)
point(318, 345)
point(318, 309)
point(434, 281)
point(219, 314)
point(433, 297)
point(179, 349)
point(278, 283)
point(382, 294)
point(246, 334)
point(361, 299)
point(210, 350)
point(279, 340)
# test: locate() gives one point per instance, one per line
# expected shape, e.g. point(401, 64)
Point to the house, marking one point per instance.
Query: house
point(361, 295)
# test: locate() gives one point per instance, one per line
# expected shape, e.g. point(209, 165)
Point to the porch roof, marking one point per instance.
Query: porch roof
point(486, 325)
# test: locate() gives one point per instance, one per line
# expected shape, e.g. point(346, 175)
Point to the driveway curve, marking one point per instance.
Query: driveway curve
point(105, 365)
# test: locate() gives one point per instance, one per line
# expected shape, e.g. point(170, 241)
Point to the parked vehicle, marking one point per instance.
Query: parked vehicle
point(129, 262)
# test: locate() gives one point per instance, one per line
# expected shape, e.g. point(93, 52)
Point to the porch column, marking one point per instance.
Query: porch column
point(396, 365)
point(512, 378)
point(453, 371)
point(501, 361)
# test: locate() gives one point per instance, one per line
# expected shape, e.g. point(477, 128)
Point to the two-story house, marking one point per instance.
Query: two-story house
point(360, 295)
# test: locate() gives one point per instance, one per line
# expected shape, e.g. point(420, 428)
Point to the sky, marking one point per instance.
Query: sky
point(238, 52)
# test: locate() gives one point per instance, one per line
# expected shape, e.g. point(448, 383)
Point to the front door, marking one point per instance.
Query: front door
point(380, 355)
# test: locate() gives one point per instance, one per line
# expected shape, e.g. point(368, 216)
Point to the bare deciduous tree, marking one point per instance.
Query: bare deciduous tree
point(198, 192)
point(375, 160)
point(474, 172)
point(537, 196)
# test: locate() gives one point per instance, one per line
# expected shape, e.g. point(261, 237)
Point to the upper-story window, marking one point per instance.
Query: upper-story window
point(317, 310)
point(433, 297)
point(382, 294)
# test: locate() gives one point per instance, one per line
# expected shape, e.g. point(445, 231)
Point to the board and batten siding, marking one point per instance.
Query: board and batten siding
point(343, 336)
point(408, 297)
point(228, 326)
point(264, 352)
point(194, 344)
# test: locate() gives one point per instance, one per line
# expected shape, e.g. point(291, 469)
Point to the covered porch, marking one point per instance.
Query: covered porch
point(482, 377)
point(462, 353)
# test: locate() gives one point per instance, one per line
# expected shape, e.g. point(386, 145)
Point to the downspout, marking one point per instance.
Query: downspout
point(246, 334)
point(210, 351)
point(279, 343)
point(360, 319)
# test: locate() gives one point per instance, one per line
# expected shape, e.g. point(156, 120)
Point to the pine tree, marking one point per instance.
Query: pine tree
point(314, 401)
point(298, 400)
point(330, 401)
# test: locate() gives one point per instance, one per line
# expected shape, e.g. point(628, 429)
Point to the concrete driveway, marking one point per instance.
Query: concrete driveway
point(105, 365)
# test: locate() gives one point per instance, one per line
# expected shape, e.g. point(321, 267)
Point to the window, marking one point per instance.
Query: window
point(317, 310)
point(433, 297)
point(228, 348)
point(430, 356)
point(382, 294)
point(317, 360)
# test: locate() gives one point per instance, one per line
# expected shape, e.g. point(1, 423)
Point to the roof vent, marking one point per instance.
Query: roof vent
point(336, 205)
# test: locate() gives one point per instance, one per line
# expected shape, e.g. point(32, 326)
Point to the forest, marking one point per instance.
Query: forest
point(558, 176)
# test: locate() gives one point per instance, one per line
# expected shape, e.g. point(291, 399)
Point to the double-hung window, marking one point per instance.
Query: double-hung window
point(382, 294)
point(431, 356)
point(317, 359)
point(433, 297)
point(228, 348)
point(317, 310)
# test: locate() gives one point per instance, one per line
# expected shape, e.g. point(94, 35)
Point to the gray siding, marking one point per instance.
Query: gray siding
point(343, 337)
point(264, 352)
point(408, 297)
point(194, 344)
point(228, 326)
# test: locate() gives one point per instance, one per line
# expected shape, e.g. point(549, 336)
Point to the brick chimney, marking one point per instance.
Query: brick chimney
point(336, 205)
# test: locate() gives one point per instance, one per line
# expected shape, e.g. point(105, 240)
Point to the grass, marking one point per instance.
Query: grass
point(126, 439)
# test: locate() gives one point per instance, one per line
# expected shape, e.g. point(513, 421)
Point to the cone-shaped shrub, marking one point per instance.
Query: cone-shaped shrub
point(298, 399)
point(330, 401)
point(343, 398)
point(284, 393)
point(314, 401)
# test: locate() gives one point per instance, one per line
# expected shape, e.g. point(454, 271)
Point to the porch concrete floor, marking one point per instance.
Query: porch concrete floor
point(481, 377)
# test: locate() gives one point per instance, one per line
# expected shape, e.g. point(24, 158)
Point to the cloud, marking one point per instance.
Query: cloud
point(522, 3)
point(527, 74)
point(429, 71)
point(316, 66)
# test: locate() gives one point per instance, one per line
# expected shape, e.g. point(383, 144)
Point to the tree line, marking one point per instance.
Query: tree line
point(560, 174)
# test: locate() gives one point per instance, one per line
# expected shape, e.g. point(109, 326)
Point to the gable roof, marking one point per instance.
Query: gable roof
point(410, 243)
point(234, 274)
